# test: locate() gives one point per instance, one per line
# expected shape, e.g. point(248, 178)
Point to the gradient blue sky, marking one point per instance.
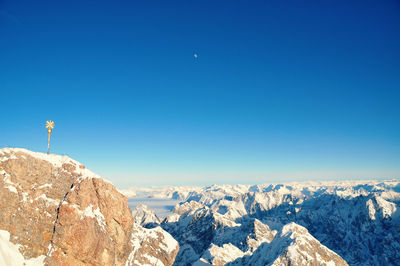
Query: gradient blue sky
point(281, 90)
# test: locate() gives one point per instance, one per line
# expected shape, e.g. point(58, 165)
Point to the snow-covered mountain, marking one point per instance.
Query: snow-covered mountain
point(55, 211)
point(145, 216)
point(357, 222)
point(293, 245)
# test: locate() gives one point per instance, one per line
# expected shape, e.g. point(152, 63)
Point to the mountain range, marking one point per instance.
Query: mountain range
point(357, 220)
point(54, 211)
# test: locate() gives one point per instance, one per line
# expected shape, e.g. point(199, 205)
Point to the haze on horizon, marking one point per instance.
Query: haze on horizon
point(203, 92)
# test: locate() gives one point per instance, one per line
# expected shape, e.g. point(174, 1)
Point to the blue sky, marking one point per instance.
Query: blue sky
point(280, 91)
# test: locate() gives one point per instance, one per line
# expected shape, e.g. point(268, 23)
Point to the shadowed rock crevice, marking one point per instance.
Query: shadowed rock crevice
point(56, 220)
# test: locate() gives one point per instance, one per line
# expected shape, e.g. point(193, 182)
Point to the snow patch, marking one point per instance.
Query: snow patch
point(48, 200)
point(221, 255)
point(9, 184)
point(44, 186)
point(89, 212)
point(10, 255)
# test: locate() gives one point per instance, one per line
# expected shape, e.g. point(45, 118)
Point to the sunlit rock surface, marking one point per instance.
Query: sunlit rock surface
point(57, 212)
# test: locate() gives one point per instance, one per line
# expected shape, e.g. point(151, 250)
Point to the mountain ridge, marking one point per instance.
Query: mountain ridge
point(357, 219)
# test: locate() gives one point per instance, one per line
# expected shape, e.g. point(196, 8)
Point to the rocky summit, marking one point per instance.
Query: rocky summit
point(54, 211)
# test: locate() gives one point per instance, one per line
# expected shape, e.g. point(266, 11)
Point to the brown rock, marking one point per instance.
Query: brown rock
point(54, 206)
point(96, 218)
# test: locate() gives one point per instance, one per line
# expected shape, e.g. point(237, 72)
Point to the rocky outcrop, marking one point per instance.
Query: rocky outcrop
point(94, 226)
point(152, 247)
point(145, 216)
point(293, 245)
point(219, 256)
point(52, 205)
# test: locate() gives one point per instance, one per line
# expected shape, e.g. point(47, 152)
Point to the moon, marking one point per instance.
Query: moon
point(195, 55)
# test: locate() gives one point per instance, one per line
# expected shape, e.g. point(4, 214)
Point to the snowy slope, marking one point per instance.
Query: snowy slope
point(151, 247)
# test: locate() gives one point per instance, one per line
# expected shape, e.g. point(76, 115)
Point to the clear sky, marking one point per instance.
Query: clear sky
point(280, 90)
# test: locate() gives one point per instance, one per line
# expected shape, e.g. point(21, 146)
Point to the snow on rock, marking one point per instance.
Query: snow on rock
point(216, 255)
point(55, 160)
point(145, 216)
point(259, 233)
point(89, 212)
point(388, 209)
point(11, 256)
point(293, 245)
point(185, 207)
point(152, 247)
point(232, 209)
point(371, 209)
point(199, 228)
point(11, 186)
point(94, 225)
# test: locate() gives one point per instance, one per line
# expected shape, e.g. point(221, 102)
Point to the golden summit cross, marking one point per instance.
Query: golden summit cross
point(49, 126)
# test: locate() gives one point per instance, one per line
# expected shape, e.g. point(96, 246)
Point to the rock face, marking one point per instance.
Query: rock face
point(52, 205)
point(94, 226)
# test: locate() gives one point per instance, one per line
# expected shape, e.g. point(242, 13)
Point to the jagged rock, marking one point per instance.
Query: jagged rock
point(249, 242)
point(219, 256)
point(55, 208)
point(359, 219)
point(206, 236)
point(32, 187)
point(195, 230)
point(152, 247)
point(187, 207)
point(198, 230)
point(247, 236)
point(255, 233)
point(293, 245)
point(145, 216)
